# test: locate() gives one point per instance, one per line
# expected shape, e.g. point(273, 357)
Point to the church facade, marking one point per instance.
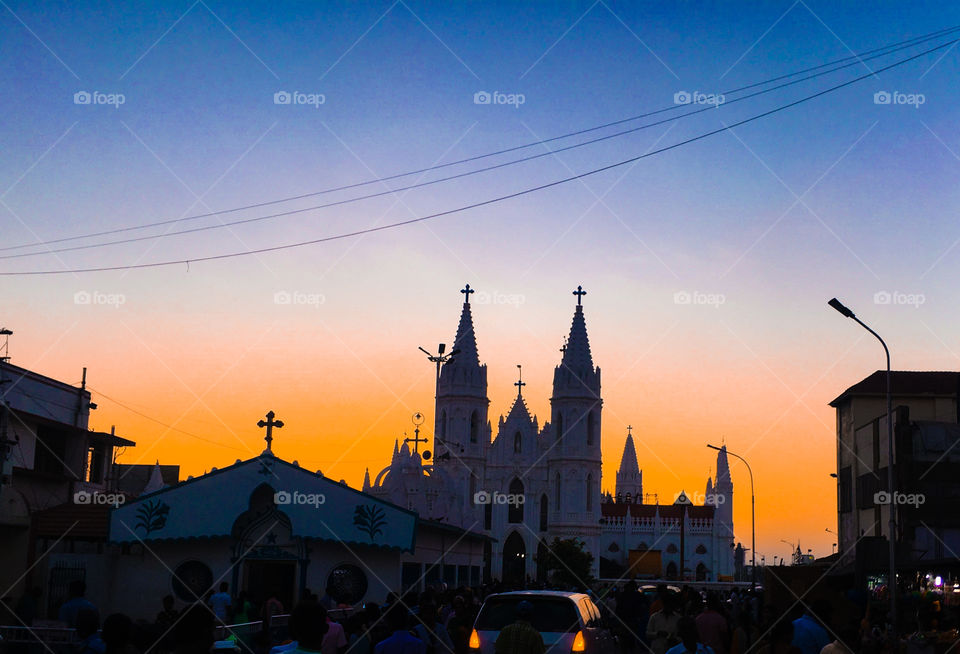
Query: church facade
point(528, 483)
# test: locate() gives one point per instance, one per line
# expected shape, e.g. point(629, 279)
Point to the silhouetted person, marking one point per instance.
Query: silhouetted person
point(781, 639)
point(690, 642)
point(712, 625)
point(308, 626)
point(77, 602)
point(662, 627)
point(220, 602)
point(117, 634)
point(401, 641)
point(808, 633)
point(88, 626)
point(194, 631)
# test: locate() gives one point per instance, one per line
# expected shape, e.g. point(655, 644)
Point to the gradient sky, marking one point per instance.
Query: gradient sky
point(207, 348)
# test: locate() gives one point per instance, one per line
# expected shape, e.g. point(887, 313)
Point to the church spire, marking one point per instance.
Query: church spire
point(366, 481)
point(629, 476)
point(576, 375)
point(465, 342)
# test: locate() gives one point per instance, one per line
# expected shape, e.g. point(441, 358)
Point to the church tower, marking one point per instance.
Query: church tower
point(723, 492)
point(462, 429)
point(574, 436)
point(629, 486)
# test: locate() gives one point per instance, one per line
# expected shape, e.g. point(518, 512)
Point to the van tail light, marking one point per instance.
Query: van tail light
point(579, 644)
point(474, 640)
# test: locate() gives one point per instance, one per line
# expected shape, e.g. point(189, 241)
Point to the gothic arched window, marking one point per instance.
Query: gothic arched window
point(589, 492)
point(543, 512)
point(443, 425)
point(515, 508)
point(556, 499)
point(474, 427)
point(517, 443)
point(591, 428)
point(701, 549)
point(559, 422)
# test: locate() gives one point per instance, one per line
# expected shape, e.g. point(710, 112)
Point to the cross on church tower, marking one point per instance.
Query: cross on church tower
point(579, 293)
point(416, 440)
point(520, 383)
point(270, 423)
point(629, 430)
point(466, 293)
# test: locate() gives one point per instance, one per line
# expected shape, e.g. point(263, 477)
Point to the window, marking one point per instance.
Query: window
point(95, 462)
point(443, 425)
point(517, 443)
point(559, 422)
point(589, 492)
point(671, 549)
point(191, 580)
point(515, 510)
point(701, 549)
point(488, 515)
point(845, 490)
point(347, 584)
point(50, 451)
point(614, 547)
point(543, 512)
point(556, 499)
point(591, 428)
point(474, 427)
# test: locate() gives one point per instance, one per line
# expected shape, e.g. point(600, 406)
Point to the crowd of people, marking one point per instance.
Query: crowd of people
point(440, 621)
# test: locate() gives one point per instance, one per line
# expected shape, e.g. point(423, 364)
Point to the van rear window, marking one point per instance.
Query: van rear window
point(554, 614)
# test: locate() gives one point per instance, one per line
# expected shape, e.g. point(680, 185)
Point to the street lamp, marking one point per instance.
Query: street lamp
point(440, 358)
point(847, 313)
point(753, 518)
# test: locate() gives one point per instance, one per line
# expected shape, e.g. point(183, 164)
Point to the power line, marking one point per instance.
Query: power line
point(161, 423)
point(859, 58)
point(483, 203)
point(416, 185)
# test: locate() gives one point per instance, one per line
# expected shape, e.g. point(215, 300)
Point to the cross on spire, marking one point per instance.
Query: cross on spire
point(270, 423)
point(466, 293)
point(519, 383)
point(579, 293)
point(417, 420)
point(629, 430)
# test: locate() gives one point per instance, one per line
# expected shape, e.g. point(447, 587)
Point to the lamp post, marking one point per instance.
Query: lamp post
point(892, 528)
point(440, 359)
point(753, 518)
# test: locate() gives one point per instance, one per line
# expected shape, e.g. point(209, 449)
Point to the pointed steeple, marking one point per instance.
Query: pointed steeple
point(366, 481)
point(723, 470)
point(628, 460)
point(463, 374)
point(576, 375)
point(155, 482)
point(629, 476)
point(466, 340)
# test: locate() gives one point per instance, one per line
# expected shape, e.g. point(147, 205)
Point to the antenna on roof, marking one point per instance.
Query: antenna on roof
point(5, 348)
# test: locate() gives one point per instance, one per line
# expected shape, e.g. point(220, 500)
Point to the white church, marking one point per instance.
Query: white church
point(532, 483)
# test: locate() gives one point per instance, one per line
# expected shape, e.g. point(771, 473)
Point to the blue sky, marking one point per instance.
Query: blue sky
point(199, 130)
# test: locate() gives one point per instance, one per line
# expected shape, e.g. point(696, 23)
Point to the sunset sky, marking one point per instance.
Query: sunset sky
point(758, 226)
